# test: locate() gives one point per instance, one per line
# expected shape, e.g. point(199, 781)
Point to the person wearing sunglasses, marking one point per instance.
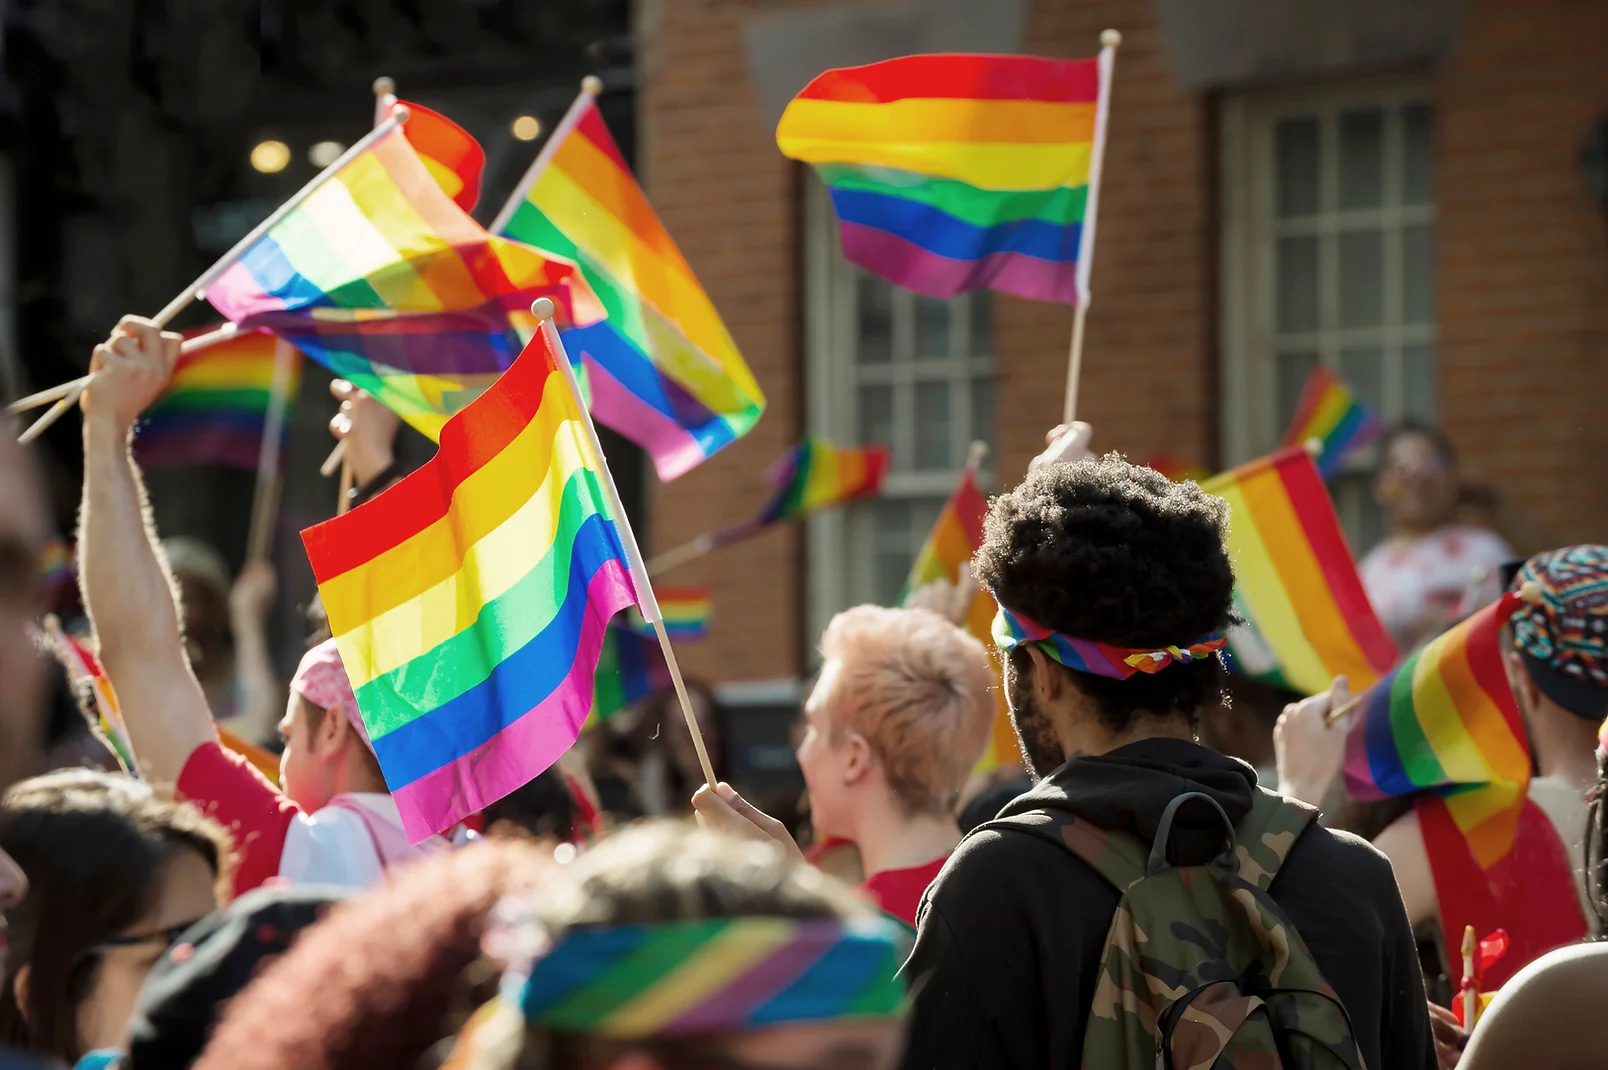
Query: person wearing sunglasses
point(116, 873)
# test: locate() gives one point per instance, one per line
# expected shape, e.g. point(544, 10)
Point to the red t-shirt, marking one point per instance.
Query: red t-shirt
point(898, 891)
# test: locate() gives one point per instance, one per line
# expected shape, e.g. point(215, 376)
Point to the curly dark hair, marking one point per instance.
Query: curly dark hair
point(1117, 553)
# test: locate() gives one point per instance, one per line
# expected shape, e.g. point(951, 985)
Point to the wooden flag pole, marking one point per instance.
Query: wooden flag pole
point(265, 496)
point(646, 602)
point(348, 479)
point(591, 87)
point(211, 275)
point(1109, 41)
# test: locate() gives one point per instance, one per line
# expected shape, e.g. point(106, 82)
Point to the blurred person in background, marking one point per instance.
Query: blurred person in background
point(115, 874)
point(1418, 577)
point(335, 821)
point(226, 635)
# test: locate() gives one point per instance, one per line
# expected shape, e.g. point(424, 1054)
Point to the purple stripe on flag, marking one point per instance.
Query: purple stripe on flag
point(441, 798)
point(907, 264)
point(674, 450)
point(225, 447)
point(754, 989)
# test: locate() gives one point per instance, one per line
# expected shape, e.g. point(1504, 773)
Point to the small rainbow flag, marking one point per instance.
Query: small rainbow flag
point(952, 173)
point(1295, 580)
point(470, 601)
point(630, 667)
point(818, 475)
point(448, 151)
point(215, 409)
point(82, 665)
point(385, 281)
point(1445, 721)
point(686, 612)
point(56, 567)
point(662, 368)
point(1329, 412)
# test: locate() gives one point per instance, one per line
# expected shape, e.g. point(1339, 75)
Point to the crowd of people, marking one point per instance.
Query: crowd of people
point(1127, 895)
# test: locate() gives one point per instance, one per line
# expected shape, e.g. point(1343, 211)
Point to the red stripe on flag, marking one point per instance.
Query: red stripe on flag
point(594, 129)
point(960, 77)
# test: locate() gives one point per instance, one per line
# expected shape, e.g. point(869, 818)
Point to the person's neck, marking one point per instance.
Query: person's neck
point(357, 779)
point(890, 838)
point(1080, 737)
point(1565, 746)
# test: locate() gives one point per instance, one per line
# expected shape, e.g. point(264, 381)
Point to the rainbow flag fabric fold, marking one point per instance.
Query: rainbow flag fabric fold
point(662, 368)
point(1329, 412)
point(448, 151)
point(470, 601)
point(1445, 722)
point(952, 173)
point(1295, 580)
point(385, 281)
point(818, 475)
point(215, 409)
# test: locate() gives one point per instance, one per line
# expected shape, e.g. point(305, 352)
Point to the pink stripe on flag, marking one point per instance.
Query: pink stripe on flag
point(672, 447)
point(510, 759)
point(238, 294)
point(907, 264)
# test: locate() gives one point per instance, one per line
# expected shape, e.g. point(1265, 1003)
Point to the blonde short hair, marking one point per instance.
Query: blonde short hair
point(916, 687)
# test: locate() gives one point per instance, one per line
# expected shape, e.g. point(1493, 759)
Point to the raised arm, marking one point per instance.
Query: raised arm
point(127, 590)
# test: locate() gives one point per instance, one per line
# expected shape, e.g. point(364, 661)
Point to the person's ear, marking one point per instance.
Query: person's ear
point(19, 988)
point(1524, 689)
point(332, 730)
point(1048, 681)
point(858, 759)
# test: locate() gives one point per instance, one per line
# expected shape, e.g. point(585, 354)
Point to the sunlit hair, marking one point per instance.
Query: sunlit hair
point(916, 687)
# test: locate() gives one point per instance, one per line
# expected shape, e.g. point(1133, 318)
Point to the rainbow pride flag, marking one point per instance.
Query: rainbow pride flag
point(952, 173)
point(687, 612)
point(630, 667)
point(1329, 412)
point(662, 368)
point(448, 151)
point(470, 600)
point(818, 475)
point(1295, 580)
point(82, 665)
point(1445, 722)
point(385, 281)
point(215, 409)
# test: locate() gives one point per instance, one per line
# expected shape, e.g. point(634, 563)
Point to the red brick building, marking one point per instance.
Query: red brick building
point(1399, 190)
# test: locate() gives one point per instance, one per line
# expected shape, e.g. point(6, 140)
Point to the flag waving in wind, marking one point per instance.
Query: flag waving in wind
point(470, 601)
point(662, 368)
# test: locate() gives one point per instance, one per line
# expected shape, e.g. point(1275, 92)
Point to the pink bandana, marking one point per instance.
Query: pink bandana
point(321, 680)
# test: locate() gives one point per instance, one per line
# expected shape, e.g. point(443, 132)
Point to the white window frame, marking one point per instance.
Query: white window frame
point(831, 408)
point(1247, 327)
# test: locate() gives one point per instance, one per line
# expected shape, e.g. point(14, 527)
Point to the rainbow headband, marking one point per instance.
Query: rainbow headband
point(1011, 630)
point(706, 976)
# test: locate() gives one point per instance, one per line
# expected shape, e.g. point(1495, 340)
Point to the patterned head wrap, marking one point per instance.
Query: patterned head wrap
point(1563, 634)
point(321, 679)
point(1011, 630)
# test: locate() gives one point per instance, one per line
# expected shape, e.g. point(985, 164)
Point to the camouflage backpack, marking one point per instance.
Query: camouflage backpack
point(1201, 968)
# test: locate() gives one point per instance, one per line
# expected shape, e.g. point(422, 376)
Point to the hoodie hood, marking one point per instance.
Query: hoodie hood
point(1127, 789)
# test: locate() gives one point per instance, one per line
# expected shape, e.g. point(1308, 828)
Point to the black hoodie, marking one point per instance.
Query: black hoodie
point(1010, 934)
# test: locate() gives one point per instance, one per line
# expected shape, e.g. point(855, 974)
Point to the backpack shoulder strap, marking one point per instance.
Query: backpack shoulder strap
point(1116, 856)
point(1262, 841)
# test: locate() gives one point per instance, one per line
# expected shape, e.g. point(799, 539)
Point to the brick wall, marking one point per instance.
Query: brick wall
point(1523, 263)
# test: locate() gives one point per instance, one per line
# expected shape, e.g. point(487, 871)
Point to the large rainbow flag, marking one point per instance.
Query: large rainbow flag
point(1445, 721)
point(381, 278)
point(448, 151)
point(662, 368)
point(215, 409)
point(952, 173)
point(1295, 580)
point(470, 601)
point(1329, 412)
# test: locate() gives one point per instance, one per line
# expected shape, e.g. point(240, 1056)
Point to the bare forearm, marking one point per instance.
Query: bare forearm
point(129, 599)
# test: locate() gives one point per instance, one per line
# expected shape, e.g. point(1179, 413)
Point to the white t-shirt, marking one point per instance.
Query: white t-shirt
point(1407, 579)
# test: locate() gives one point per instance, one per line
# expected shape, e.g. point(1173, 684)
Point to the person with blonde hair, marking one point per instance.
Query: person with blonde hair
point(898, 718)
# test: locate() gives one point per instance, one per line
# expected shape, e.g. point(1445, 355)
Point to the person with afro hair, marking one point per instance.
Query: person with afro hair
point(1087, 555)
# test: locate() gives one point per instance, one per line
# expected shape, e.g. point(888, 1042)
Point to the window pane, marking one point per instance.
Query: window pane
point(932, 328)
point(1362, 287)
point(1295, 147)
point(982, 325)
point(1360, 517)
point(876, 414)
point(1362, 158)
point(1418, 154)
point(982, 409)
point(1418, 274)
point(1418, 382)
point(1293, 369)
point(1363, 369)
point(891, 551)
point(1297, 273)
point(875, 342)
point(932, 426)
